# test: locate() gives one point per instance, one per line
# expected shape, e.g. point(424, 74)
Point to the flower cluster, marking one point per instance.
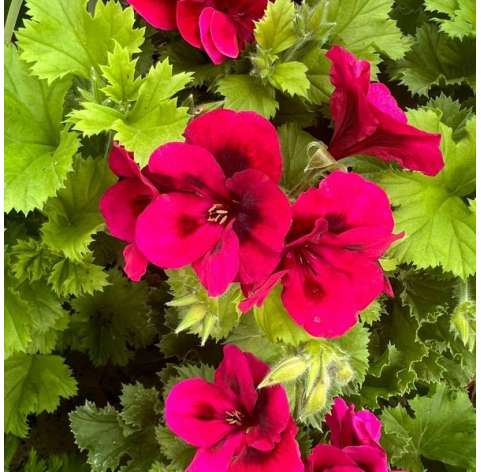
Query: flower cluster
point(214, 202)
point(221, 28)
point(237, 427)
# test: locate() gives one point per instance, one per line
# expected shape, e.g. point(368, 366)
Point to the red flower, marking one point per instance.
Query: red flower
point(220, 209)
point(329, 269)
point(122, 204)
point(235, 427)
point(369, 121)
point(221, 28)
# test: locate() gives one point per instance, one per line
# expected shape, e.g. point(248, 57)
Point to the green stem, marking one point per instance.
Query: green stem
point(11, 21)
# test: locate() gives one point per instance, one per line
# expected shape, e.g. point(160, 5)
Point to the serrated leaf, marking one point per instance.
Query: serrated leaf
point(318, 69)
point(435, 59)
point(31, 260)
point(442, 429)
point(372, 313)
point(462, 16)
point(109, 325)
point(243, 92)
point(74, 215)
point(141, 406)
point(275, 31)
point(38, 149)
point(175, 373)
point(290, 77)
point(33, 384)
point(177, 452)
point(63, 38)
point(77, 277)
point(361, 24)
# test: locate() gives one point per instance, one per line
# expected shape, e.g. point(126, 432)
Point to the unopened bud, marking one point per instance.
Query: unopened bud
point(344, 374)
point(194, 315)
point(183, 301)
point(313, 374)
point(286, 371)
point(317, 399)
point(461, 324)
point(207, 327)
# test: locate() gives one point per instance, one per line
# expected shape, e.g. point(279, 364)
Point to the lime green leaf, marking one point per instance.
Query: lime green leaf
point(120, 73)
point(290, 77)
point(243, 92)
point(94, 118)
point(443, 429)
point(31, 260)
point(63, 38)
point(275, 31)
point(111, 324)
point(439, 227)
point(77, 277)
point(33, 384)
point(74, 215)
point(462, 16)
point(435, 59)
point(361, 24)
point(38, 151)
point(294, 144)
point(318, 68)
point(372, 313)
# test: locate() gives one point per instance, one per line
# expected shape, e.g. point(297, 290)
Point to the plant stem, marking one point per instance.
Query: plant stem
point(11, 21)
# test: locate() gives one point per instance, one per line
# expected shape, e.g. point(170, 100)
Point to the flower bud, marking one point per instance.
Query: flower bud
point(183, 301)
point(193, 315)
point(313, 374)
point(317, 399)
point(208, 325)
point(286, 371)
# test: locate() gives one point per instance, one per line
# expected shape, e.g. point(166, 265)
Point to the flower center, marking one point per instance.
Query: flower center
point(218, 214)
point(234, 417)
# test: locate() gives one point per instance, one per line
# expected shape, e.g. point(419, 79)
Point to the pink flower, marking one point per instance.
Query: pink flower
point(369, 121)
point(122, 204)
point(235, 427)
point(221, 28)
point(221, 210)
point(330, 269)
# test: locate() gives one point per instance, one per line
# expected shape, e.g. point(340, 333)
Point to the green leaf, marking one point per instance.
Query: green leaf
point(462, 16)
point(64, 38)
point(33, 384)
point(435, 59)
point(439, 226)
point(111, 324)
point(74, 215)
point(141, 406)
point(38, 150)
point(174, 373)
point(153, 120)
point(177, 452)
point(442, 429)
point(275, 31)
point(77, 277)
point(318, 68)
point(120, 73)
point(361, 24)
point(372, 313)
point(294, 144)
point(290, 77)
point(32, 260)
point(243, 92)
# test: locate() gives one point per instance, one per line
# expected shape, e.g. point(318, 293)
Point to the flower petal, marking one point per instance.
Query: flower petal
point(367, 427)
point(121, 205)
point(195, 411)
point(261, 224)
point(326, 458)
point(255, 295)
point(368, 458)
point(246, 141)
point(158, 13)
point(220, 265)
point(187, 168)
point(187, 16)
point(205, 22)
point(122, 163)
point(173, 230)
point(380, 97)
point(224, 34)
point(135, 262)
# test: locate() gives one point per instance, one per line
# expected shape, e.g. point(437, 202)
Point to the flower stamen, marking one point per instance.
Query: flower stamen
point(234, 417)
point(218, 214)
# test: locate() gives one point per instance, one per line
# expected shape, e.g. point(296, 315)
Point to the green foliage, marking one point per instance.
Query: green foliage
point(290, 77)
point(74, 215)
point(462, 16)
point(65, 39)
point(109, 325)
point(38, 148)
point(442, 429)
point(32, 260)
point(61, 463)
point(152, 120)
point(435, 59)
point(178, 453)
point(34, 383)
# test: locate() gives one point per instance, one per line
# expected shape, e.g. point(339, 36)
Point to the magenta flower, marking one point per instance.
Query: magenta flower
point(218, 211)
point(221, 28)
point(122, 204)
point(330, 269)
point(368, 119)
point(235, 427)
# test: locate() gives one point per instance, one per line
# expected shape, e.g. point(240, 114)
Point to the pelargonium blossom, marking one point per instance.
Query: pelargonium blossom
point(123, 202)
point(235, 426)
point(354, 442)
point(369, 121)
point(330, 269)
point(221, 28)
point(220, 209)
